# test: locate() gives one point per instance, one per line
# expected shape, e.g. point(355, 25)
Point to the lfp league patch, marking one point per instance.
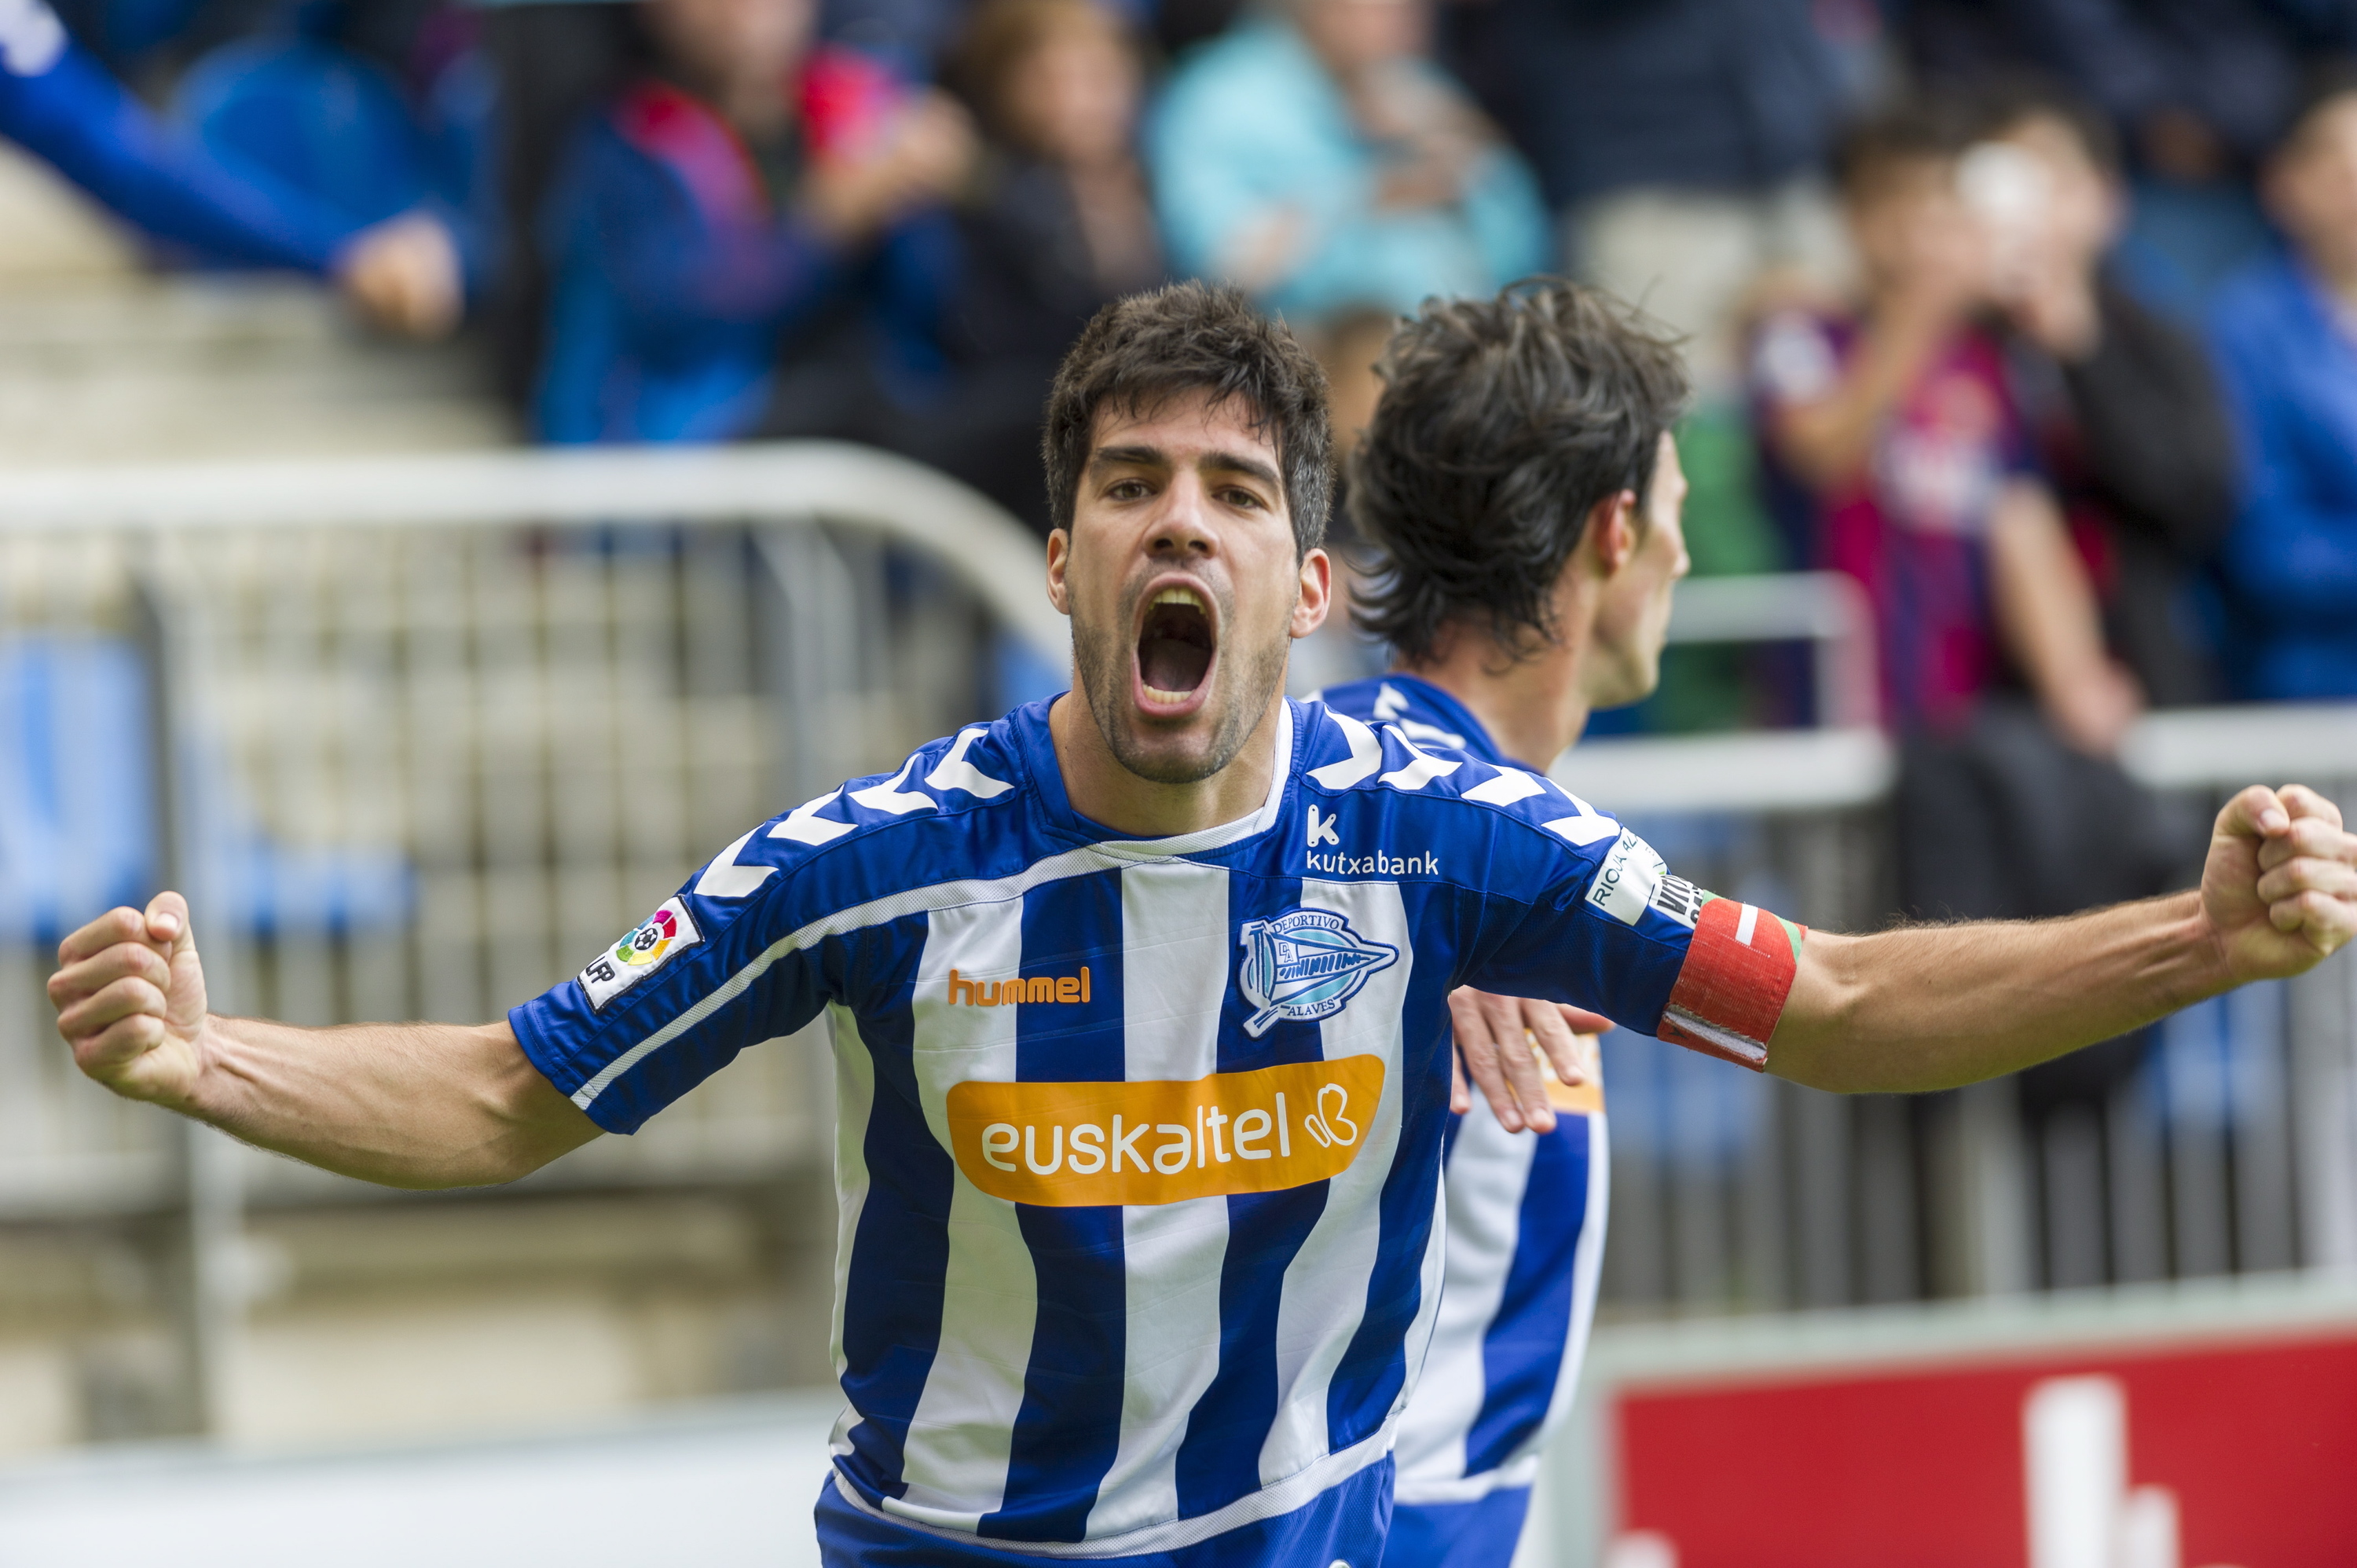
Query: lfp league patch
point(667, 933)
point(1305, 964)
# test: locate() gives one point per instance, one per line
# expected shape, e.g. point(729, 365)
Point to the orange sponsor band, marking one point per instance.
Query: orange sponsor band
point(1070, 1145)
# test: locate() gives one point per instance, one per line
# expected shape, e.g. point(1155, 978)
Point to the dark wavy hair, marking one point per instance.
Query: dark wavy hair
point(1142, 351)
point(1502, 423)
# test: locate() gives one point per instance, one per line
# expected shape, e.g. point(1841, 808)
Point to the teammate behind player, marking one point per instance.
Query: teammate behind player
point(1521, 489)
point(1140, 1113)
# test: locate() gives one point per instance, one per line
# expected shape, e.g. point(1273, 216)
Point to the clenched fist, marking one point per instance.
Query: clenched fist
point(2279, 888)
point(130, 996)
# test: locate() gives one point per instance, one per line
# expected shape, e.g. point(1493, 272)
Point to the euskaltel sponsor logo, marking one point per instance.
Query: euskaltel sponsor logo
point(1090, 1144)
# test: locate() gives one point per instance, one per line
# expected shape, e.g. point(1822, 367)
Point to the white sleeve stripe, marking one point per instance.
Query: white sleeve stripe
point(1366, 755)
point(1420, 772)
point(1512, 784)
point(890, 797)
point(724, 878)
point(956, 773)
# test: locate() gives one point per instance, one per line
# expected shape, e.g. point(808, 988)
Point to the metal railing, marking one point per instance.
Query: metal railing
point(418, 736)
point(2231, 1149)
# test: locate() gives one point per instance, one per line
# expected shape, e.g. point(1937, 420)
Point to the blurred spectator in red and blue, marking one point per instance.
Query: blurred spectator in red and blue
point(1058, 223)
point(748, 203)
point(399, 265)
point(2284, 334)
point(2121, 402)
point(1896, 421)
point(1899, 420)
point(1320, 159)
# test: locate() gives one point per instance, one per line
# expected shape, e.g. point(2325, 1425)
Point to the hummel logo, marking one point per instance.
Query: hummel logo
point(1321, 829)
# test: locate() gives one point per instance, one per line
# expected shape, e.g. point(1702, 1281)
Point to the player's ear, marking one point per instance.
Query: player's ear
point(1060, 558)
point(1611, 534)
point(1317, 598)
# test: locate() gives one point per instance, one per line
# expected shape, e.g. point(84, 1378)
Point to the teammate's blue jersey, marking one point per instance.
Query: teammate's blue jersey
point(1138, 1142)
point(1526, 1215)
point(61, 104)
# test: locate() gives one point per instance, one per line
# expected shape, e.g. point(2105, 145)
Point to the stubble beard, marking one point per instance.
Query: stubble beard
point(1101, 661)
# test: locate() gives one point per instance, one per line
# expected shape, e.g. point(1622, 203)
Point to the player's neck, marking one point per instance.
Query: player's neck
point(1534, 708)
point(1103, 790)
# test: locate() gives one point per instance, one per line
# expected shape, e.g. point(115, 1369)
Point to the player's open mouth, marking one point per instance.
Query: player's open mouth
point(1177, 642)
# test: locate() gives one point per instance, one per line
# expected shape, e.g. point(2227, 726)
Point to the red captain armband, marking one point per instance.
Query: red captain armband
point(1731, 989)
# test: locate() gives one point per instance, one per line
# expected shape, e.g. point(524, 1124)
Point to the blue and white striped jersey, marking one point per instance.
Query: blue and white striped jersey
point(1138, 1143)
point(1527, 1218)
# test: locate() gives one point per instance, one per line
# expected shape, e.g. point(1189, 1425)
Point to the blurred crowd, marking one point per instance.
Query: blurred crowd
point(2037, 316)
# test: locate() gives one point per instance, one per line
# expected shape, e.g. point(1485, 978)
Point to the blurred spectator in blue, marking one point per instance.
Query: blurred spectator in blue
point(2122, 404)
point(1320, 160)
point(1681, 143)
point(751, 198)
point(2286, 337)
point(402, 272)
point(1058, 223)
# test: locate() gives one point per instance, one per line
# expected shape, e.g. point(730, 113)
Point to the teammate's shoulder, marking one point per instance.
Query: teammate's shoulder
point(1427, 716)
point(1345, 756)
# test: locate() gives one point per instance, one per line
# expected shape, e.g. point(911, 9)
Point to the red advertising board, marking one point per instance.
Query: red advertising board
point(2177, 1455)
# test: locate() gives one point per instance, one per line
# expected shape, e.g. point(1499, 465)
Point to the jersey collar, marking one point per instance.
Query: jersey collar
point(1038, 747)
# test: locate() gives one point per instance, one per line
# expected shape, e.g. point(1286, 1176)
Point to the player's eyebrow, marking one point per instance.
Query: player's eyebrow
point(1239, 463)
point(1106, 458)
point(1222, 462)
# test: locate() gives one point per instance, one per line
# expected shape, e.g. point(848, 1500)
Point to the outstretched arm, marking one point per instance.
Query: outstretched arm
point(415, 1105)
point(1934, 1007)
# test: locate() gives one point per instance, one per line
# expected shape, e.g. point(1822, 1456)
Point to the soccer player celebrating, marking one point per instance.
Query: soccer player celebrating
point(1520, 487)
point(1139, 1000)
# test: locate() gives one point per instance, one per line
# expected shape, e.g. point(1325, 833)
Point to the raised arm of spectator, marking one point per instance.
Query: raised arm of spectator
point(60, 104)
point(63, 106)
point(1820, 418)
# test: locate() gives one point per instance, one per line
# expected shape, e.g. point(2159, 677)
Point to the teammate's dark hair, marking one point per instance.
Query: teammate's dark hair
point(1502, 423)
point(1141, 351)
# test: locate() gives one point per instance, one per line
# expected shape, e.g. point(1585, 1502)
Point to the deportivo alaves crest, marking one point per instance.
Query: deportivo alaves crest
point(1305, 965)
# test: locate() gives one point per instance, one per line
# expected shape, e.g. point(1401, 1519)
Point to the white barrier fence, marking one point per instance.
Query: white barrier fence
point(419, 735)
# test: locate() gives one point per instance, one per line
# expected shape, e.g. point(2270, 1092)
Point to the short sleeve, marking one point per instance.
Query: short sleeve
point(672, 1003)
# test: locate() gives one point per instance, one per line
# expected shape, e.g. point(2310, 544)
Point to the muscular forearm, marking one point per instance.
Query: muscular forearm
point(413, 1105)
point(1934, 1007)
